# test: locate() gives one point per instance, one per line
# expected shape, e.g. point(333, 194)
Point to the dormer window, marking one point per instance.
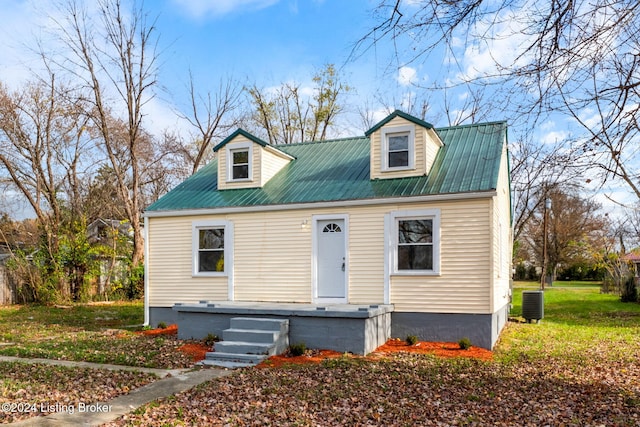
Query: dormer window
point(398, 147)
point(240, 167)
point(239, 162)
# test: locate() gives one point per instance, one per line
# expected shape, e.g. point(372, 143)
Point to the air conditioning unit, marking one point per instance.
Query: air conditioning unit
point(533, 305)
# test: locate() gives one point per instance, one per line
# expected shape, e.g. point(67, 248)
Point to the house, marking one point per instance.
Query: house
point(403, 231)
point(633, 257)
point(113, 236)
point(7, 289)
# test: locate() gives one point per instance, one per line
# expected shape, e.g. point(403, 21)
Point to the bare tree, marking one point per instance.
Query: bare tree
point(43, 139)
point(208, 116)
point(578, 58)
point(286, 114)
point(115, 60)
point(575, 226)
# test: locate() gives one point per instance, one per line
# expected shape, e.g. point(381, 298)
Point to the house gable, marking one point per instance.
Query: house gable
point(402, 146)
point(245, 161)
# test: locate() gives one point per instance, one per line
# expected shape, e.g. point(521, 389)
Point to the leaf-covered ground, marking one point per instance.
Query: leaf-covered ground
point(408, 390)
point(29, 390)
point(110, 346)
point(579, 367)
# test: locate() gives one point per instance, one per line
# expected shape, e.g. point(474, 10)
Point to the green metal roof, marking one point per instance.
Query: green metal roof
point(338, 170)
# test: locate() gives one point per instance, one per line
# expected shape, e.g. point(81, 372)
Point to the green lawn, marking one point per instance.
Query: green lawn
point(579, 323)
point(101, 333)
point(579, 366)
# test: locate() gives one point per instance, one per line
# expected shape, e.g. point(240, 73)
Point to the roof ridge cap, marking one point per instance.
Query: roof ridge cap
point(322, 141)
point(495, 122)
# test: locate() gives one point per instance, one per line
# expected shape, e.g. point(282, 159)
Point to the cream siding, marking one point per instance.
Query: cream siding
point(463, 283)
point(265, 163)
point(271, 164)
point(432, 145)
point(170, 266)
point(273, 257)
point(223, 162)
point(366, 255)
point(426, 145)
point(376, 148)
point(502, 238)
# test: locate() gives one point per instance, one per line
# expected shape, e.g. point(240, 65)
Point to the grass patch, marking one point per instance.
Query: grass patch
point(579, 324)
point(86, 332)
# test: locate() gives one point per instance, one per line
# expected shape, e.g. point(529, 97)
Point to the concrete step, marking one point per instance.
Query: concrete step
point(276, 325)
point(243, 347)
point(232, 360)
point(250, 335)
point(249, 341)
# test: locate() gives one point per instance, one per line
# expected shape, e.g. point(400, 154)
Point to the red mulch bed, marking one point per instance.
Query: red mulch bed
point(311, 357)
point(169, 330)
point(197, 351)
point(440, 349)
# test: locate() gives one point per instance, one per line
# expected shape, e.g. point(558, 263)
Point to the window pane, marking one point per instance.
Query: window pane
point(398, 142)
point(211, 261)
point(240, 172)
point(399, 158)
point(415, 231)
point(212, 238)
point(240, 157)
point(415, 257)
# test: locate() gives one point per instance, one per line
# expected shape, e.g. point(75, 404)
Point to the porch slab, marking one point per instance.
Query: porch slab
point(358, 329)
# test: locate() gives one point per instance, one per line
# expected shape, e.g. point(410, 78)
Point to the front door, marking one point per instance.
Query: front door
point(331, 259)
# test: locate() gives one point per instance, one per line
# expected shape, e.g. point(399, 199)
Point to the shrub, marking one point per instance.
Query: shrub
point(465, 343)
point(297, 349)
point(411, 339)
point(629, 292)
point(210, 339)
point(162, 325)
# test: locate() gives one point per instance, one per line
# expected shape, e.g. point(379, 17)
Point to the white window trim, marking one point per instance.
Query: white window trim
point(239, 146)
point(196, 226)
point(391, 246)
point(384, 148)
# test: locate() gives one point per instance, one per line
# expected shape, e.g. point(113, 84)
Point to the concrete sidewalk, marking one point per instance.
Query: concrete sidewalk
point(172, 381)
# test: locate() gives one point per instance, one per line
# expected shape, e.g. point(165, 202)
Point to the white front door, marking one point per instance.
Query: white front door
point(331, 260)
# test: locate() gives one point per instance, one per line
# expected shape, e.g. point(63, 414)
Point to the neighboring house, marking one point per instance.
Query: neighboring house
point(403, 231)
point(112, 235)
point(7, 288)
point(634, 258)
point(105, 231)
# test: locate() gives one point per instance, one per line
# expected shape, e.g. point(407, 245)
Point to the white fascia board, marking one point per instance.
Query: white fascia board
point(321, 205)
point(278, 152)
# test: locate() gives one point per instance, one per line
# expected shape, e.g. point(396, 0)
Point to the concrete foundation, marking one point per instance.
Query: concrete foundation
point(358, 329)
point(482, 330)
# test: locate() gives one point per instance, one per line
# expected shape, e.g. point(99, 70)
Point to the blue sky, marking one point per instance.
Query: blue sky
point(262, 42)
point(268, 42)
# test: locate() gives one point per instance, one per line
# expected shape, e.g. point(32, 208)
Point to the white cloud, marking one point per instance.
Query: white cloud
point(205, 8)
point(407, 75)
point(501, 43)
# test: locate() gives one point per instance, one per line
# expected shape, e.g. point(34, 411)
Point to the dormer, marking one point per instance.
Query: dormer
point(246, 161)
point(402, 146)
